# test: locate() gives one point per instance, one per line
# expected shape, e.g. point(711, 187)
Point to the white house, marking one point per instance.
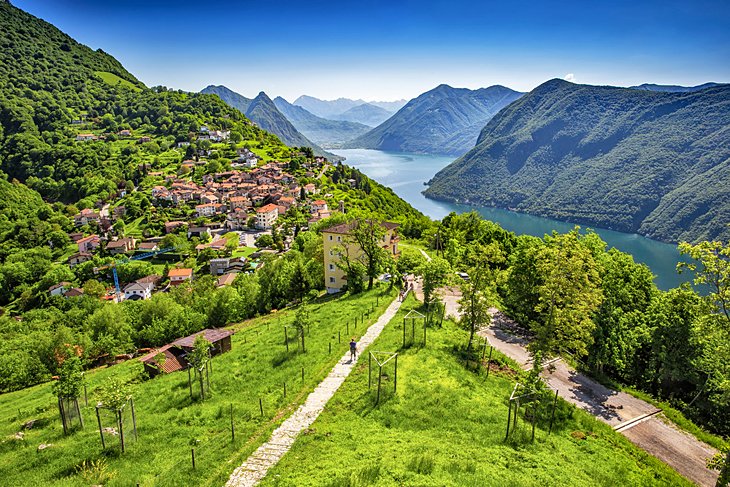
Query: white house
point(138, 290)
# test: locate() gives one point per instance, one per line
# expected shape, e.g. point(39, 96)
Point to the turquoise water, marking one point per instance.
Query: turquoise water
point(406, 174)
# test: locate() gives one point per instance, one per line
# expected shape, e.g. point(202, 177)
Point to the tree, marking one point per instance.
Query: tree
point(474, 302)
point(264, 241)
point(198, 359)
point(94, 288)
point(70, 377)
point(567, 298)
point(713, 271)
point(369, 236)
point(301, 321)
point(435, 273)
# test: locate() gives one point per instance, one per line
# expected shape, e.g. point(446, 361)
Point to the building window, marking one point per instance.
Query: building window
point(330, 238)
point(339, 239)
point(332, 267)
point(332, 280)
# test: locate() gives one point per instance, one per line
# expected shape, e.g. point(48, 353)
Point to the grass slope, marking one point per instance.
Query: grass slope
point(169, 424)
point(114, 80)
point(446, 426)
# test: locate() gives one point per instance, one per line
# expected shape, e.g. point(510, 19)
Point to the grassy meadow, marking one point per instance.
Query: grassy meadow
point(169, 423)
point(446, 426)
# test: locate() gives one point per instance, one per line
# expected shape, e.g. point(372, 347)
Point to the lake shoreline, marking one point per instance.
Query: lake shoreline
point(407, 174)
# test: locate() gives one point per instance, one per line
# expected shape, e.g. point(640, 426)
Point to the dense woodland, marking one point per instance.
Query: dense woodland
point(592, 304)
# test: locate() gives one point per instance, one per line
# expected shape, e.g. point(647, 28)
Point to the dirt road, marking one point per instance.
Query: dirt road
point(639, 421)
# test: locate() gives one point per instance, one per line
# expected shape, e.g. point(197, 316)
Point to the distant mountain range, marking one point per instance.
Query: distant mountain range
point(366, 114)
point(262, 111)
point(633, 160)
point(327, 133)
point(444, 120)
point(346, 109)
point(674, 88)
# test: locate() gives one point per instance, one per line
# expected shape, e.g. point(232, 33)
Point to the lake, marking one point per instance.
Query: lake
point(406, 173)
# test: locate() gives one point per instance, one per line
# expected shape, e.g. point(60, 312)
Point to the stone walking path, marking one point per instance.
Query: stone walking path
point(255, 468)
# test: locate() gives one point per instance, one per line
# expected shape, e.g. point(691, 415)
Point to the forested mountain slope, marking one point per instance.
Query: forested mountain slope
point(444, 120)
point(267, 116)
point(657, 163)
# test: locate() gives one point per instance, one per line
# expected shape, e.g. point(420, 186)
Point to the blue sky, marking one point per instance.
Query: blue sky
point(389, 50)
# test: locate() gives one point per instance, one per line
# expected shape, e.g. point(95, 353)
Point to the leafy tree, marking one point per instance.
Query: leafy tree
point(369, 236)
point(568, 296)
point(94, 289)
point(435, 274)
point(713, 270)
point(70, 378)
point(264, 241)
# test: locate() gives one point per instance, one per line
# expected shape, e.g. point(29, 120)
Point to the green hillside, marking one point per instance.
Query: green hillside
point(446, 426)
point(642, 161)
point(444, 120)
point(169, 423)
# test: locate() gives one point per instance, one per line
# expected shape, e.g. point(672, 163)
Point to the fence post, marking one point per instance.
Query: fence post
point(101, 432)
point(339, 336)
point(489, 361)
point(192, 453)
point(302, 374)
point(509, 420)
point(552, 416)
point(233, 428)
point(286, 340)
point(284, 390)
point(86, 397)
point(330, 347)
point(261, 406)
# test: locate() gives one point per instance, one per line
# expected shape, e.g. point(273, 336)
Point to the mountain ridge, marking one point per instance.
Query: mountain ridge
point(322, 131)
point(444, 120)
point(263, 111)
point(619, 158)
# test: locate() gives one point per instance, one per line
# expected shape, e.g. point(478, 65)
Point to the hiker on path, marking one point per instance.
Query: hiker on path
point(353, 349)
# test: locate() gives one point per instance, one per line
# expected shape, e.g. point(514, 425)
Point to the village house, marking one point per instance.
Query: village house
point(121, 246)
point(125, 133)
point(59, 289)
point(88, 244)
point(79, 258)
point(85, 216)
point(178, 276)
point(266, 216)
point(73, 292)
point(172, 226)
point(338, 239)
point(138, 290)
point(85, 137)
point(208, 209)
point(310, 188)
point(237, 220)
point(219, 266)
point(319, 205)
point(226, 279)
point(198, 231)
point(148, 246)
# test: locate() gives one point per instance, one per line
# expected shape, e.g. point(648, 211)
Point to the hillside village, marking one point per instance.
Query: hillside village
point(225, 212)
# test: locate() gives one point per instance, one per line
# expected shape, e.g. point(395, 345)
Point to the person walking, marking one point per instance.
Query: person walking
point(353, 349)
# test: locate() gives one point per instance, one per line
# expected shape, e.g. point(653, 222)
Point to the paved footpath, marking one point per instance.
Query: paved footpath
point(255, 468)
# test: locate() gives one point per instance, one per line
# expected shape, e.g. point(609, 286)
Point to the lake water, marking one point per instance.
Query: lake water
point(406, 173)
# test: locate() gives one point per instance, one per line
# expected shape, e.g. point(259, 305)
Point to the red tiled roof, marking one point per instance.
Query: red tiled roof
point(267, 208)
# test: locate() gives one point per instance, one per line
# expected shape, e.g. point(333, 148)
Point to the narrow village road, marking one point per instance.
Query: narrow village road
point(642, 423)
point(255, 468)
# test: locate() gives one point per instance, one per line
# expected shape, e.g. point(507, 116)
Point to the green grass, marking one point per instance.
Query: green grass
point(114, 80)
point(169, 423)
point(446, 426)
point(243, 252)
